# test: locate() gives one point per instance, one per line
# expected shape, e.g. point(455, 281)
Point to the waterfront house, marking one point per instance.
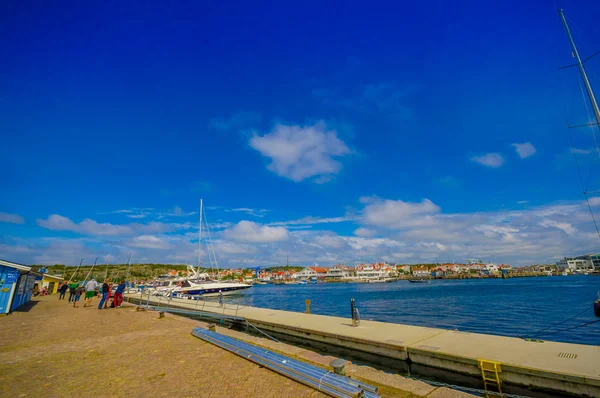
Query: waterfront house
point(490, 268)
point(438, 273)
point(420, 271)
point(584, 263)
point(339, 272)
point(372, 271)
point(504, 268)
point(403, 269)
point(311, 272)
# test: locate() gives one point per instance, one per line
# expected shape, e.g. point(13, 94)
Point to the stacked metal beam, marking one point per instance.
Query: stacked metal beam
point(317, 378)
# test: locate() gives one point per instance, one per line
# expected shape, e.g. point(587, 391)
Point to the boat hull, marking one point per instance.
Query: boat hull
point(212, 291)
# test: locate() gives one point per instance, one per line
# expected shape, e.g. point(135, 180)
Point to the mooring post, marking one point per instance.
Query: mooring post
point(148, 300)
point(307, 302)
point(221, 298)
point(353, 311)
point(339, 366)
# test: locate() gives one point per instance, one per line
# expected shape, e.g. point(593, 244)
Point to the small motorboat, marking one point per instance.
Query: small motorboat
point(418, 280)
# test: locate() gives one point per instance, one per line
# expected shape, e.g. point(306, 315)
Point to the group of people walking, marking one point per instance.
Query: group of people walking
point(92, 289)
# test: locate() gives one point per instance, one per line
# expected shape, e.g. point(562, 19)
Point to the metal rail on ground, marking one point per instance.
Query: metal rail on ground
point(322, 380)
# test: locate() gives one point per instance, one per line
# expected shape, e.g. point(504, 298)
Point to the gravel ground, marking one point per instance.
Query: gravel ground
point(54, 350)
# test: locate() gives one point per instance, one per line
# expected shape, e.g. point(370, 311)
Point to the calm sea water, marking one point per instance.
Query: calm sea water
point(508, 307)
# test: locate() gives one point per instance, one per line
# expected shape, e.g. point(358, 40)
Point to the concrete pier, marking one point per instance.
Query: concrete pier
point(558, 367)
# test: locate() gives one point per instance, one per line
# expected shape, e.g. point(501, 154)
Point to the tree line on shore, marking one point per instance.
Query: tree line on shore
point(136, 271)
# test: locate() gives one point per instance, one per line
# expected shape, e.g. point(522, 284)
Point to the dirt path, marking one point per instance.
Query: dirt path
point(54, 350)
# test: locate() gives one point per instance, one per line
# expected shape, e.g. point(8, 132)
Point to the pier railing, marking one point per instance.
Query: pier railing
point(211, 304)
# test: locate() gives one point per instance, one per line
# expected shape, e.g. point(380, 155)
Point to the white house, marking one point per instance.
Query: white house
point(491, 268)
point(576, 264)
point(372, 271)
point(339, 272)
point(310, 272)
point(420, 272)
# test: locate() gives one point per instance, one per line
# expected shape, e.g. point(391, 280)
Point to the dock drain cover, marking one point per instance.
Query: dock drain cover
point(567, 355)
point(395, 341)
point(429, 347)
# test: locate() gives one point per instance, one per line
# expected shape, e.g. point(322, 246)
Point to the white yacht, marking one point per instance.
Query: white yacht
point(207, 287)
point(201, 284)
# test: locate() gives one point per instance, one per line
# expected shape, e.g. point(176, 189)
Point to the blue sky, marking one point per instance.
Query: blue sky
point(326, 132)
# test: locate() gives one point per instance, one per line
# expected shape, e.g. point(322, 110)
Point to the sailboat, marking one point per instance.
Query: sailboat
point(594, 105)
point(201, 284)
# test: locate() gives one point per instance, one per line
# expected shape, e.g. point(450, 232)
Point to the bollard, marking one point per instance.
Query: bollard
point(212, 328)
point(354, 311)
point(339, 366)
point(307, 302)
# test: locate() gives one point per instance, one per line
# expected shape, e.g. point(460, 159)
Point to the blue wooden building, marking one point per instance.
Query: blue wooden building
point(16, 285)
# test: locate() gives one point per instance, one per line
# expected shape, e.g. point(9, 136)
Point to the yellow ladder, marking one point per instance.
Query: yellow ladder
point(490, 373)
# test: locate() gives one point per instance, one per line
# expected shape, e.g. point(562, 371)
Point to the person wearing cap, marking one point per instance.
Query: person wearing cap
point(90, 291)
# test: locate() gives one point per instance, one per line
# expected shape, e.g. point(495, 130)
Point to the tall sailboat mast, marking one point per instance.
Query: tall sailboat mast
point(584, 77)
point(199, 236)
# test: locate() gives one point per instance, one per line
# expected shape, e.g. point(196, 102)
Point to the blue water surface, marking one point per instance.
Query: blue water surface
point(508, 307)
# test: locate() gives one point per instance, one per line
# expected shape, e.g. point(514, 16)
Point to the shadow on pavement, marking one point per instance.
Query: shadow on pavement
point(27, 307)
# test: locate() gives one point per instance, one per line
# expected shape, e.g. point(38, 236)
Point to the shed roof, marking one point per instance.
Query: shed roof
point(15, 265)
point(58, 278)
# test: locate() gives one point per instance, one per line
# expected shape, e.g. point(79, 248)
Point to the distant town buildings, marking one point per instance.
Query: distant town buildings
point(382, 270)
point(584, 263)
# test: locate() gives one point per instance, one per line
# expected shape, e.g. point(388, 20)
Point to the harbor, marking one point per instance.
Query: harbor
point(142, 354)
point(538, 365)
point(382, 200)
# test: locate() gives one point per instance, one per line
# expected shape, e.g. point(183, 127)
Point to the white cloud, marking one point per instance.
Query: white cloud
point(310, 220)
point(229, 248)
point(493, 160)
point(364, 232)
point(397, 214)
point(563, 226)
point(248, 231)
point(302, 152)
point(524, 150)
point(149, 242)
point(581, 151)
point(330, 241)
point(11, 218)
point(594, 201)
point(137, 216)
point(56, 222)
point(178, 212)
point(250, 212)
point(384, 230)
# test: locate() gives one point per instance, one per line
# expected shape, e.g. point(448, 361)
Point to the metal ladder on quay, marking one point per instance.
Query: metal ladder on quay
point(490, 373)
